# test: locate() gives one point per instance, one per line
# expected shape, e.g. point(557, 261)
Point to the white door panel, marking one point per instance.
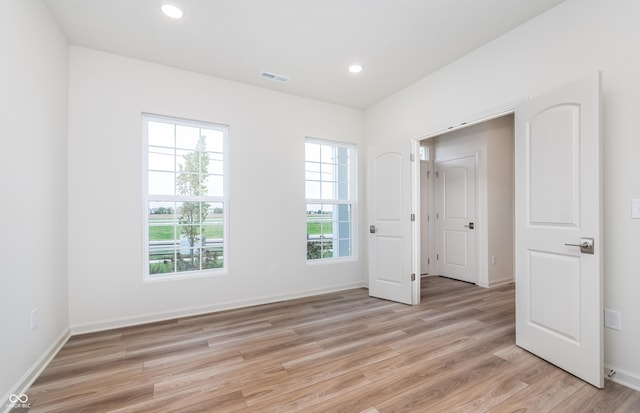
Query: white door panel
point(554, 160)
point(455, 248)
point(390, 259)
point(555, 309)
point(558, 202)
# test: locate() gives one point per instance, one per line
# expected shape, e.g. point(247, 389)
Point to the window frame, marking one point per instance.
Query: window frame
point(351, 201)
point(147, 198)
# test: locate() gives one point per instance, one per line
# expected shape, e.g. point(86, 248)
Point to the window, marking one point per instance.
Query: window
point(424, 153)
point(185, 198)
point(330, 194)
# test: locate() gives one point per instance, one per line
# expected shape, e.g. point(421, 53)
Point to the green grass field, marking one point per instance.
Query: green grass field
point(159, 232)
point(165, 232)
point(315, 227)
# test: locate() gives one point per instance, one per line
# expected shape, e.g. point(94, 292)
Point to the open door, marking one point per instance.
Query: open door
point(390, 236)
point(559, 229)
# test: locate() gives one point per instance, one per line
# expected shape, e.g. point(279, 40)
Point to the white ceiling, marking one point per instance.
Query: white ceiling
point(312, 41)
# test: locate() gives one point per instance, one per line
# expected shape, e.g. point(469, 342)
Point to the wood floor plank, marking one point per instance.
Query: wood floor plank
point(485, 394)
point(336, 352)
point(301, 378)
point(421, 397)
point(394, 386)
point(198, 400)
point(313, 395)
point(98, 400)
point(339, 351)
point(543, 395)
point(630, 405)
point(221, 376)
point(591, 399)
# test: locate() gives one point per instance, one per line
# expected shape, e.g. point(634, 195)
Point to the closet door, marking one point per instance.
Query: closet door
point(456, 190)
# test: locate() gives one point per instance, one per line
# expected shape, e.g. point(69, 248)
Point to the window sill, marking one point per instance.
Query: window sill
point(341, 260)
point(186, 276)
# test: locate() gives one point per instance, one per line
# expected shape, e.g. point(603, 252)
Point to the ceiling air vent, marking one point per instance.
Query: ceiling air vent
point(275, 77)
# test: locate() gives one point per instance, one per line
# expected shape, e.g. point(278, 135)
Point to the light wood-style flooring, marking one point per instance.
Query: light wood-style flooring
point(339, 352)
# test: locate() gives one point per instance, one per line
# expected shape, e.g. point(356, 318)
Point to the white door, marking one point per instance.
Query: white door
point(456, 218)
point(559, 287)
point(390, 224)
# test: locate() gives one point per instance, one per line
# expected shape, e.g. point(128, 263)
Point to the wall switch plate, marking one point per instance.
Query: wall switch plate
point(635, 208)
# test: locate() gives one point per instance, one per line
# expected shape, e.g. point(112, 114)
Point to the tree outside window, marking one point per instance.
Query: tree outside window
point(185, 200)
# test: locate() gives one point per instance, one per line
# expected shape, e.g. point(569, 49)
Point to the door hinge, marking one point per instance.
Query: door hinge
point(413, 217)
point(428, 218)
point(437, 215)
point(428, 174)
point(437, 257)
point(413, 277)
point(412, 157)
point(437, 174)
point(428, 261)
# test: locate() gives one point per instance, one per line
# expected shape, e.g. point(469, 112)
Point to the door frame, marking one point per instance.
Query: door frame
point(415, 225)
point(498, 112)
point(425, 193)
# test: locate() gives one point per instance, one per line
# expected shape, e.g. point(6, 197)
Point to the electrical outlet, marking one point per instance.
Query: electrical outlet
point(34, 319)
point(612, 319)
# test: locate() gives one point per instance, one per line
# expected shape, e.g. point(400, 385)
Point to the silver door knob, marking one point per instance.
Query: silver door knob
point(586, 245)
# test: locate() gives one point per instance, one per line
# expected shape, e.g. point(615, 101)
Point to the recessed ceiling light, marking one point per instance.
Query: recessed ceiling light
point(355, 68)
point(172, 11)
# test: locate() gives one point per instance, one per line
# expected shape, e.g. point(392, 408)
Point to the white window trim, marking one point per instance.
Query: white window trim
point(353, 196)
point(149, 278)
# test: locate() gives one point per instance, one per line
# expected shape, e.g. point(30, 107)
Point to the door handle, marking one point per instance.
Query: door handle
point(586, 245)
point(470, 226)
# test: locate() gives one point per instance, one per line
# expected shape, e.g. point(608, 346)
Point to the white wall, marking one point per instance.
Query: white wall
point(500, 200)
point(33, 187)
point(570, 41)
point(108, 93)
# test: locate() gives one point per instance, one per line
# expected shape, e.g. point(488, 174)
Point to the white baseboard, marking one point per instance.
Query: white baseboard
point(193, 311)
point(502, 281)
point(496, 283)
point(22, 386)
point(624, 377)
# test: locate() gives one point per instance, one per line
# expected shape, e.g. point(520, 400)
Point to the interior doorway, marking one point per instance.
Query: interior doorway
point(466, 213)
